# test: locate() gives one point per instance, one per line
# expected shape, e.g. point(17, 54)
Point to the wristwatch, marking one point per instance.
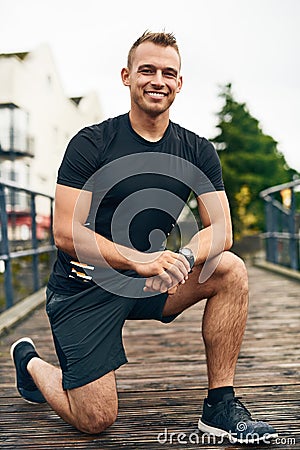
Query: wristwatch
point(188, 254)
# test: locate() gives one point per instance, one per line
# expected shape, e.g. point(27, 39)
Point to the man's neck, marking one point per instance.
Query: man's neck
point(150, 128)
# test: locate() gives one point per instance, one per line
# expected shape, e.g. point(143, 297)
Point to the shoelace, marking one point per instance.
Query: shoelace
point(236, 410)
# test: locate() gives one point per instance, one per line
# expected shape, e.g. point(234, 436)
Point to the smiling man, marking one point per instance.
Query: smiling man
point(153, 86)
point(120, 189)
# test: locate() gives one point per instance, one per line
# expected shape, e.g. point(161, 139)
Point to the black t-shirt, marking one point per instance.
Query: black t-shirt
point(138, 188)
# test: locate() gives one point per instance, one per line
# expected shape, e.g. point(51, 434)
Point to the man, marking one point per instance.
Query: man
point(120, 189)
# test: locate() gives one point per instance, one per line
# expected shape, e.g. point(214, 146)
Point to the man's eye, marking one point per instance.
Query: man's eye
point(170, 74)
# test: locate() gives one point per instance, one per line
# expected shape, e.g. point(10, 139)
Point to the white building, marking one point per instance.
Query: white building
point(37, 119)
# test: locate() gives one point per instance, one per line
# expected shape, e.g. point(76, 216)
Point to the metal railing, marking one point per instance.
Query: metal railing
point(7, 255)
point(282, 224)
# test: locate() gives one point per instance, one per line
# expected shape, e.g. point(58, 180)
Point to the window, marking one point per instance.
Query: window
point(20, 129)
point(17, 172)
point(5, 127)
point(13, 128)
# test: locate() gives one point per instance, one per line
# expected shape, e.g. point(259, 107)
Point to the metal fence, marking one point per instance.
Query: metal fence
point(282, 224)
point(33, 246)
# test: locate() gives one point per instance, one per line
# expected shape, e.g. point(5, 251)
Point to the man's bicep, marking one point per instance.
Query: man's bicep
point(213, 207)
point(71, 205)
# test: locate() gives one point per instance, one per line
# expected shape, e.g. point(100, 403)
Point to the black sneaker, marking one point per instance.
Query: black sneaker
point(20, 351)
point(230, 418)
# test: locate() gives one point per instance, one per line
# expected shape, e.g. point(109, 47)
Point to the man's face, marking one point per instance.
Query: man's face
point(154, 78)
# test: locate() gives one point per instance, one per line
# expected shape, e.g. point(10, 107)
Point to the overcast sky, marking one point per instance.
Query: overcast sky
point(254, 44)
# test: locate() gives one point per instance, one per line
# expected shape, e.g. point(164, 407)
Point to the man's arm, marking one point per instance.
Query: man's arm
point(213, 239)
point(216, 235)
point(73, 237)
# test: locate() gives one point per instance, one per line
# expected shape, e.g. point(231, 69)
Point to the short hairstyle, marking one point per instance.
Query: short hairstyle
point(163, 39)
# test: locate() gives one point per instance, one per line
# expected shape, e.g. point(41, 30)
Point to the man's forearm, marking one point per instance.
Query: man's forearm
point(208, 243)
point(93, 248)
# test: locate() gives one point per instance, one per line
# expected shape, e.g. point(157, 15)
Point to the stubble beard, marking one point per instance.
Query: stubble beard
point(152, 110)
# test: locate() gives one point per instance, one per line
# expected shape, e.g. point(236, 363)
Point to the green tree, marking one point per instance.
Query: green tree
point(251, 162)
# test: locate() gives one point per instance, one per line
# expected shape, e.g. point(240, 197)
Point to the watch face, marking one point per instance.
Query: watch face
point(186, 252)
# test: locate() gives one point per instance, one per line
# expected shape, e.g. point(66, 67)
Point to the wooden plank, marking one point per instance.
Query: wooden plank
point(18, 312)
point(162, 388)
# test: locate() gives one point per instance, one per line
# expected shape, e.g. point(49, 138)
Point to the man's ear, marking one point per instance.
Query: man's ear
point(125, 76)
point(179, 85)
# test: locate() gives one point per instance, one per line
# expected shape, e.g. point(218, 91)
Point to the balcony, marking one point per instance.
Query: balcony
point(15, 141)
point(19, 148)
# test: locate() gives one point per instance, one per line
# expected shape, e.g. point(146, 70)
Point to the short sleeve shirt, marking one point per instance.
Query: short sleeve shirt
point(139, 188)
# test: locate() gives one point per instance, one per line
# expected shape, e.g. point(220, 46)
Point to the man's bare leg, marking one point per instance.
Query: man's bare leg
point(223, 327)
point(93, 407)
point(90, 408)
point(224, 316)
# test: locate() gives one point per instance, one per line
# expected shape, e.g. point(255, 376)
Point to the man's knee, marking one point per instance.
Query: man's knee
point(233, 268)
point(95, 421)
point(94, 406)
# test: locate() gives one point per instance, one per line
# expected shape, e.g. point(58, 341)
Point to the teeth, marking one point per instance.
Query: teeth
point(156, 94)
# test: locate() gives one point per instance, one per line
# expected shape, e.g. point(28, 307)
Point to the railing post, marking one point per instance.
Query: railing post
point(35, 256)
point(8, 283)
point(52, 255)
point(293, 241)
point(271, 225)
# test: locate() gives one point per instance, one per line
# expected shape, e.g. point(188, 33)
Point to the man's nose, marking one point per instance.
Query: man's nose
point(158, 79)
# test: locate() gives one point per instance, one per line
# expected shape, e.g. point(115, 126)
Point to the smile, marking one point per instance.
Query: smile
point(156, 94)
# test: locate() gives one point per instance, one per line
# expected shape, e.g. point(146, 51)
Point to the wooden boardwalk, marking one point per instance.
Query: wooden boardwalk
point(162, 388)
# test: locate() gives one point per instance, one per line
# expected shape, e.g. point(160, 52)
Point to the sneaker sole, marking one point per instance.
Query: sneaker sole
point(12, 348)
point(232, 437)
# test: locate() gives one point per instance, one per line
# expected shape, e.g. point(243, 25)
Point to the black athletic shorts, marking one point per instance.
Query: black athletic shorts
point(87, 330)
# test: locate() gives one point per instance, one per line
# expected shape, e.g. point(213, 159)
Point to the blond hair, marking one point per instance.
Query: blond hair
point(163, 39)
